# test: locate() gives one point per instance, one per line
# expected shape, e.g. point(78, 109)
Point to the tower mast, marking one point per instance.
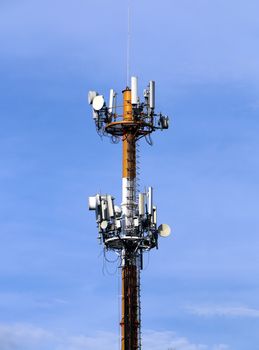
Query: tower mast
point(130, 322)
point(129, 230)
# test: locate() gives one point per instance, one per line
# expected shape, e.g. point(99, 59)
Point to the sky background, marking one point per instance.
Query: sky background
point(200, 289)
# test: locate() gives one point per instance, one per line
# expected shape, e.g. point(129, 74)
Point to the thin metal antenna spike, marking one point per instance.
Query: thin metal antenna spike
point(128, 42)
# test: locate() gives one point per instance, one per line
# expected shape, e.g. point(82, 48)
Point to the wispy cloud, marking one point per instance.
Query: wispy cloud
point(20, 336)
point(170, 341)
point(224, 311)
point(17, 336)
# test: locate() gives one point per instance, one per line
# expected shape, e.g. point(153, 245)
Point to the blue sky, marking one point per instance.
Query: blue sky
point(200, 289)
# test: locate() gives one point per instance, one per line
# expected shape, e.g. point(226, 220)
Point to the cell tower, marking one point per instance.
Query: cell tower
point(130, 229)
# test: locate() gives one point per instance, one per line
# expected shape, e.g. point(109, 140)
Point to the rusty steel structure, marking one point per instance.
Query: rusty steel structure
point(131, 228)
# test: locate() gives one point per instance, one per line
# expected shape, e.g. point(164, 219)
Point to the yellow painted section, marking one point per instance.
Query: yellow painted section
point(129, 142)
point(127, 106)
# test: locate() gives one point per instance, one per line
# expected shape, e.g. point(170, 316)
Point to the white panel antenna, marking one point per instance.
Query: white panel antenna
point(154, 215)
point(104, 208)
point(141, 204)
point(91, 96)
point(134, 90)
point(152, 94)
point(150, 201)
point(92, 203)
point(110, 206)
point(98, 207)
point(112, 101)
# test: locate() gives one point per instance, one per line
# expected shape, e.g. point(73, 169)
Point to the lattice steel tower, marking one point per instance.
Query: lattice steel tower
point(130, 229)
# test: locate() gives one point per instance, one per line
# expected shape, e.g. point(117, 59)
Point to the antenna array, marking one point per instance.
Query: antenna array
point(131, 228)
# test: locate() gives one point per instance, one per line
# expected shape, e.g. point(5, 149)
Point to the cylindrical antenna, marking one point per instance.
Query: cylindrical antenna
point(141, 204)
point(110, 206)
point(152, 94)
point(154, 215)
point(92, 203)
point(111, 101)
point(134, 90)
point(104, 209)
point(150, 201)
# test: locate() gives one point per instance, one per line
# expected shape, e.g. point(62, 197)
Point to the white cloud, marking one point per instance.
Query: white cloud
point(20, 336)
point(16, 336)
point(227, 311)
point(168, 341)
point(221, 347)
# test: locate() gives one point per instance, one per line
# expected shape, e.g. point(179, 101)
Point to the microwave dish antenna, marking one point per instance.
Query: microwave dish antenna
point(164, 230)
point(98, 103)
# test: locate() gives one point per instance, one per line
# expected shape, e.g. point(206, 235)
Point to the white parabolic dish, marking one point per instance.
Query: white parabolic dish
point(98, 103)
point(164, 230)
